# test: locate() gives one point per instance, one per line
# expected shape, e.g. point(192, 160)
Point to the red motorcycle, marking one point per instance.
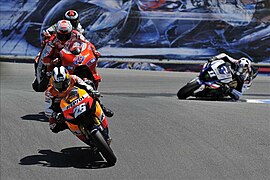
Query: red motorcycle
point(78, 58)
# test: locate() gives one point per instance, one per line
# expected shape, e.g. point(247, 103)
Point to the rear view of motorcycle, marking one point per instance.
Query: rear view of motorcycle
point(79, 59)
point(215, 80)
point(41, 80)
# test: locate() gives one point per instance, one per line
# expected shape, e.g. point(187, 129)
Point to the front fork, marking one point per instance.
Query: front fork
point(202, 85)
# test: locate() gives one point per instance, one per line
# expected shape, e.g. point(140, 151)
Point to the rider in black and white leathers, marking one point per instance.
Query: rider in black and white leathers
point(243, 74)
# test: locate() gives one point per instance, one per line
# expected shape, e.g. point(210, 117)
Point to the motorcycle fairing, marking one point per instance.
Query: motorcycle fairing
point(78, 103)
point(212, 85)
point(212, 77)
point(217, 70)
point(75, 104)
point(80, 110)
point(211, 88)
point(40, 63)
point(69, 59)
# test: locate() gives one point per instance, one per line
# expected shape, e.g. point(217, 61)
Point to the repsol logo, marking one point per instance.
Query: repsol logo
point(75, 102)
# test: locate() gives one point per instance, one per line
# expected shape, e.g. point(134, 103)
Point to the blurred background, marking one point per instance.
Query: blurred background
point(149, 29)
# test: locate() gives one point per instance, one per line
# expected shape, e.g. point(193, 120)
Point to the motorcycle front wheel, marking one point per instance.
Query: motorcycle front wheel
point(104, 148)
point(187, 90)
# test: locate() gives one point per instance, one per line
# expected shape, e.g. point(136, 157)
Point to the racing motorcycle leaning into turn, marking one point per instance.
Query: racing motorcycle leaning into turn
point(86, 120)
point(42, 79)
point(215, 80)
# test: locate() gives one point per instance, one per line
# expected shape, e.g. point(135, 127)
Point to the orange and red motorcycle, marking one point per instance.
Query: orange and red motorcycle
point(79, 58)
point(86, 120)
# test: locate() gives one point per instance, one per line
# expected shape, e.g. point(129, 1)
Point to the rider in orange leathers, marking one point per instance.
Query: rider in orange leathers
point(61, 82)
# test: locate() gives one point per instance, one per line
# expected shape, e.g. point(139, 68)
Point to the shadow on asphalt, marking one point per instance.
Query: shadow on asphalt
point(211, 99)
point(36, 117)
point(77, 157)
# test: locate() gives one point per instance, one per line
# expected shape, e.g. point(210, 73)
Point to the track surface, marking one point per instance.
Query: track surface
point(155, 136)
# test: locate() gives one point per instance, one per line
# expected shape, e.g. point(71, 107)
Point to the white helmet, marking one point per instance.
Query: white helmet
point(61, 78)
point(73, 17)
point(244, 65)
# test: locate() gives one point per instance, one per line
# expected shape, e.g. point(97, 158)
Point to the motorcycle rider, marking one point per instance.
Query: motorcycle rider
point(243, 74)
point(70, 15)
point(64, 34)
point(73, 17)
point(61, 82)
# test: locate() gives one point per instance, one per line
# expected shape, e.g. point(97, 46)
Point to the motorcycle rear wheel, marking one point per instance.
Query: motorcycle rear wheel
point(104, 148)
point(187, 90)
point(42, 86)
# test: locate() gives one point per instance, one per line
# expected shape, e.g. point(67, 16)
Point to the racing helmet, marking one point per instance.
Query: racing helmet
point(244, 65)
point(63, 30)
point(73, 17)
point(60, 78)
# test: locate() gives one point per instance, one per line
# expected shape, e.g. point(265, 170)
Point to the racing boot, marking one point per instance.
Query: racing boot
point(235, 95)
point(107, 112)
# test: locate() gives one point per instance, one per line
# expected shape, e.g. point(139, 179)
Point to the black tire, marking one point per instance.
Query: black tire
point(35, 85)
point(104, 148)
point(187, 90)
point(42, 86)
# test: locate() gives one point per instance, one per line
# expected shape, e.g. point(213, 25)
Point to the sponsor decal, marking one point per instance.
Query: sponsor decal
point(76, 101)
point(78, 59)
point(91, 61)
point(69, 67)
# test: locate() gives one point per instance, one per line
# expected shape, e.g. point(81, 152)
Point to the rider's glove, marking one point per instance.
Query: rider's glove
point(57, 116)
point(95, 94)
point(97, 53)
point(46, 35)
point(237, 73)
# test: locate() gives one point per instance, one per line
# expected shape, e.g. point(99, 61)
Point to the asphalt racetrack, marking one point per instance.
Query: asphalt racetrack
point(155, 135)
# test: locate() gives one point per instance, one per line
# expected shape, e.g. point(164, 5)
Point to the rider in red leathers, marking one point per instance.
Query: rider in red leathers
point(73, 17)
point(49, 34)
point(64, 36)
point(50, 53)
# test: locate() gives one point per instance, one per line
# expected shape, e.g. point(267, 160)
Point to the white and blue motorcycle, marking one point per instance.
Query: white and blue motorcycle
point(215, 80)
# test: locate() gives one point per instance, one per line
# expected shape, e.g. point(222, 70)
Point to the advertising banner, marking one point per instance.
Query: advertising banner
point(163, 29)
